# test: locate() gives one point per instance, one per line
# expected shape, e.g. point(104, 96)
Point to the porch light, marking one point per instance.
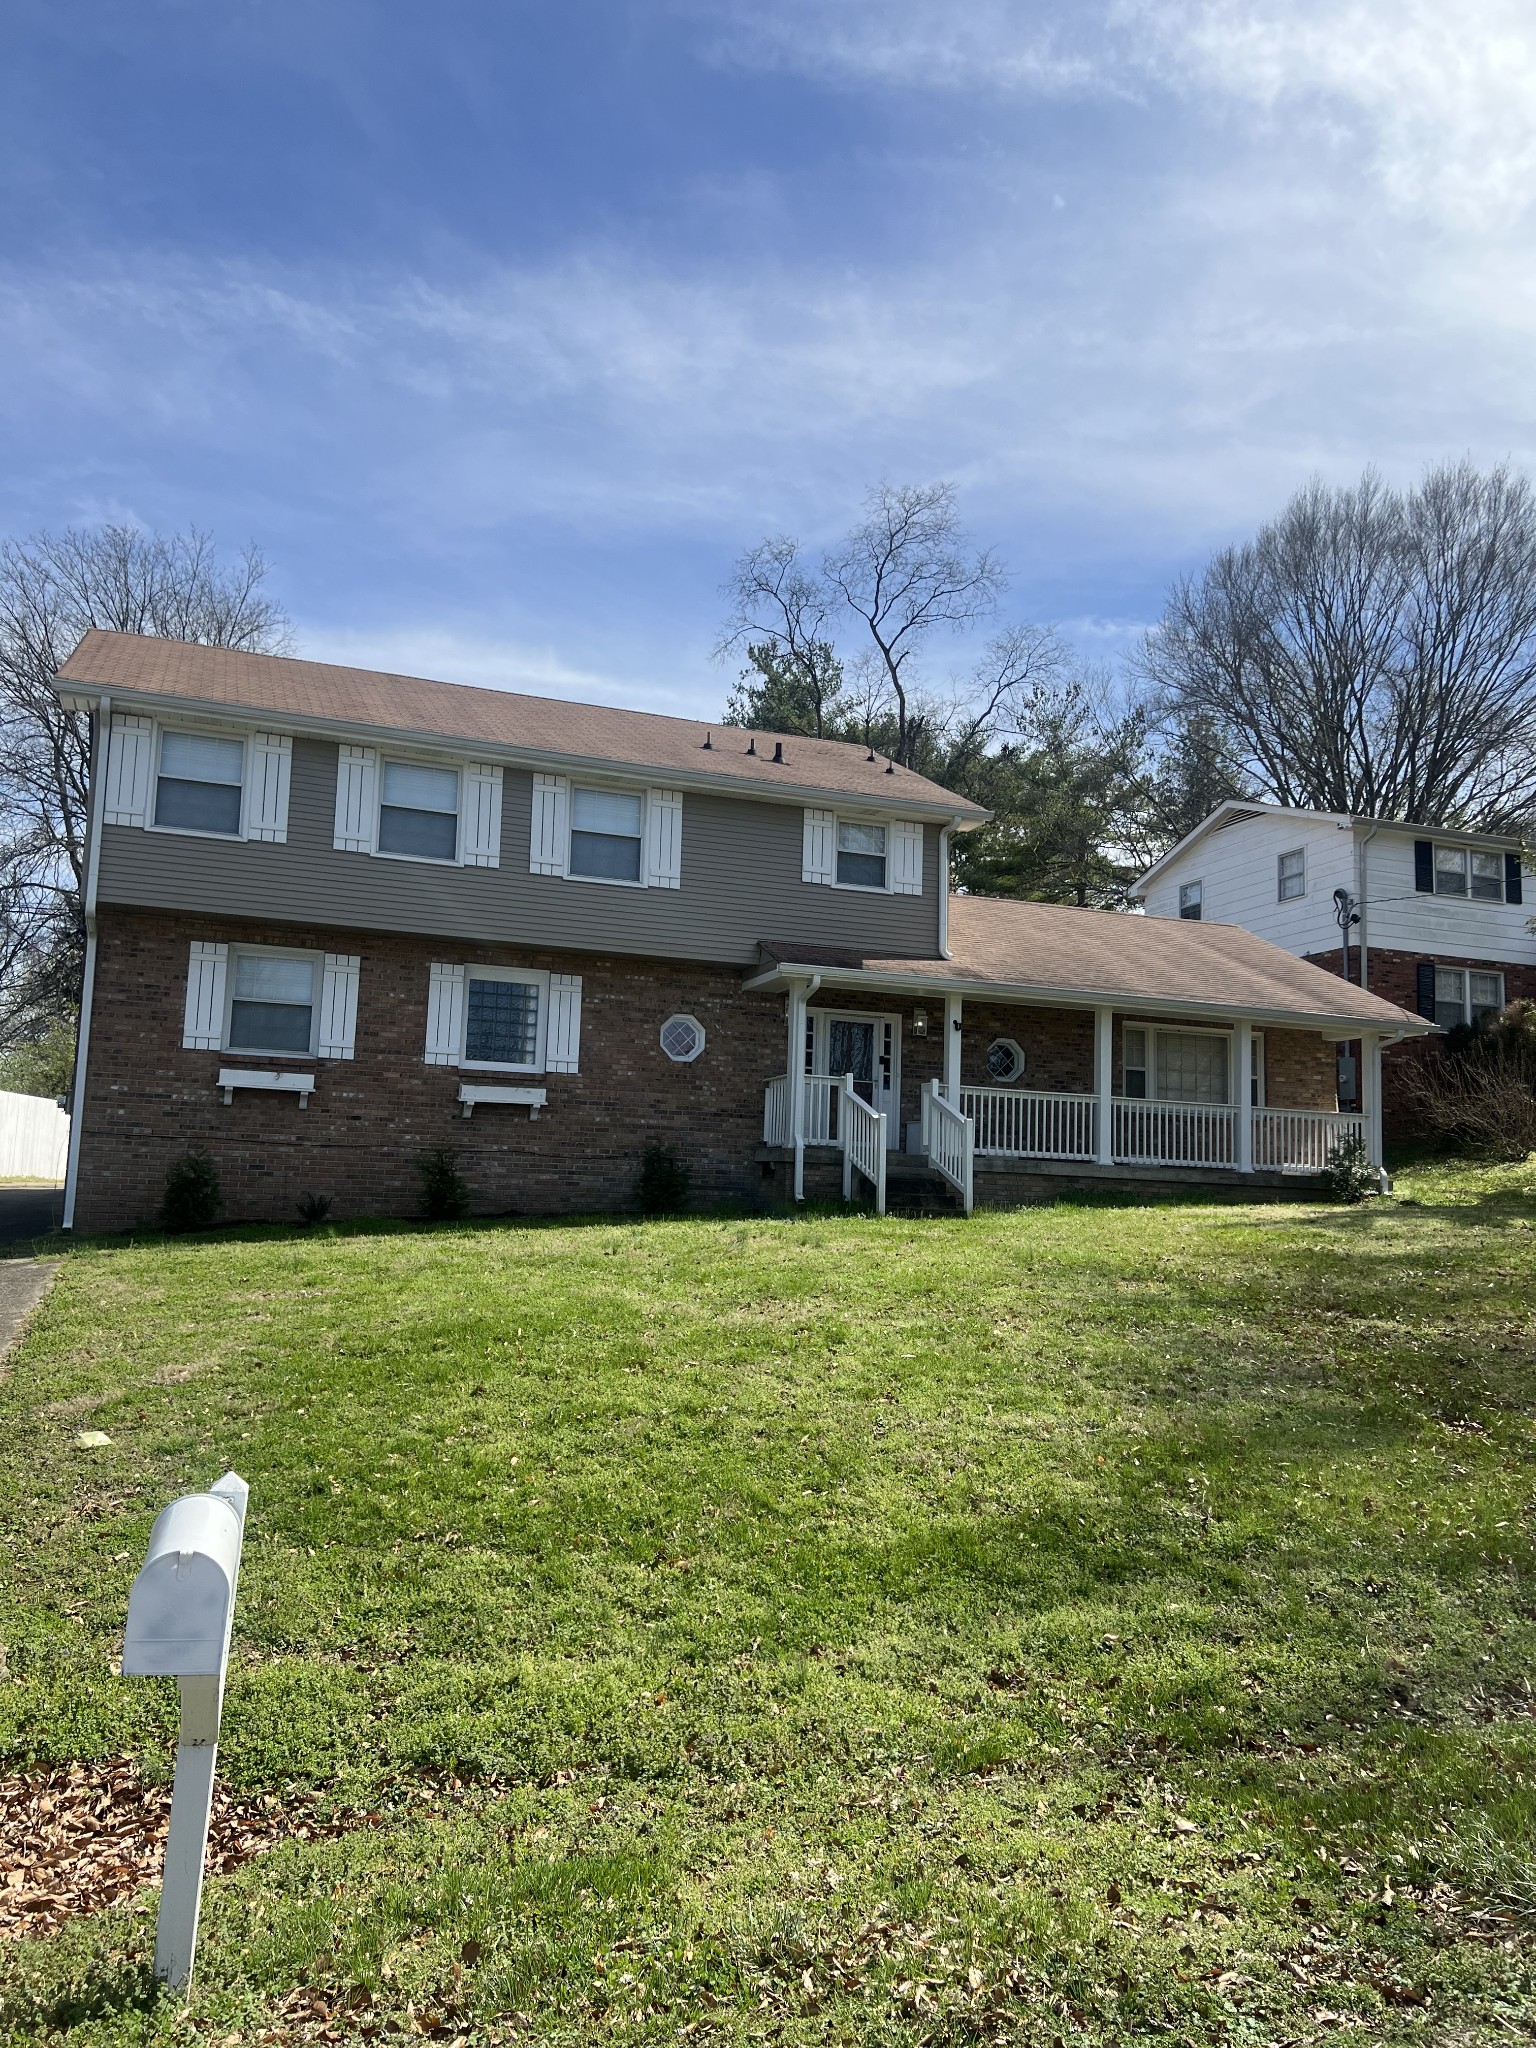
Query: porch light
point(919, 1023)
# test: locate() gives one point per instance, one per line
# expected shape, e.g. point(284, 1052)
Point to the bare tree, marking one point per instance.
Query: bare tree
point(906, 571)
point(53, 588)
point(1371, 651)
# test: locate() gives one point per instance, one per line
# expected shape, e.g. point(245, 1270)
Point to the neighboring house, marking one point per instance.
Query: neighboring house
point(336, 918)
point(1443, 918)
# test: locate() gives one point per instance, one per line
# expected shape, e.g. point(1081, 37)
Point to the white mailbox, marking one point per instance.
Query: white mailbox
point(183, 1601)
point(179, 1617)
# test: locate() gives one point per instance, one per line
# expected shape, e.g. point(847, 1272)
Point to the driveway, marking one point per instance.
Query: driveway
point(28, 1211)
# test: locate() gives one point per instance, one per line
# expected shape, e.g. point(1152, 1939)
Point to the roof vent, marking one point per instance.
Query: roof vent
point(890, 767)
point(709, 741)
point(752, 744)
point(778, 750)
point(870, 755)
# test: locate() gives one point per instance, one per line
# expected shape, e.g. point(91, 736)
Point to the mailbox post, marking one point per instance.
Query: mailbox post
point(179, 1617)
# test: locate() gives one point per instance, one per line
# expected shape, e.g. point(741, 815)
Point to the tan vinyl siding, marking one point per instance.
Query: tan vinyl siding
point(740, 882)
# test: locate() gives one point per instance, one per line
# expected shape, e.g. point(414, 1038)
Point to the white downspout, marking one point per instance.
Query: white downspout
point(103, 738)
point(944, 837)
point(1361, 881)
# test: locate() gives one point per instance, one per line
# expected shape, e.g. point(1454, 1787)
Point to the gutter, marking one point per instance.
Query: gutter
point(1082, 998)
point(101, 738)
point(668, 774)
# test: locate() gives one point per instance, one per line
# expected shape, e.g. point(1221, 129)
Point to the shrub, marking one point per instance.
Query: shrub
point(193, 1194)
point(313, 1209)
point(1349, 1175)
point(662, 1188)
point(1477, 1090)
point(444, 1191)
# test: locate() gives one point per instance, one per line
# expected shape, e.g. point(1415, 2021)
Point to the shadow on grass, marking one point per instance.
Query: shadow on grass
point(105, 1991)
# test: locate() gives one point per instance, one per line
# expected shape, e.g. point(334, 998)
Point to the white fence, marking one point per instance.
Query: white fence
point(1020, 1123)
point(34, 1138)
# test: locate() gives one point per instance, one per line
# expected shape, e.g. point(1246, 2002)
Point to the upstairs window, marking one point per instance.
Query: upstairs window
point(419, 811)
point(1488, 877)
point(1292, 875)
point(1191, 899)
point(200, 783)
point(607, 832)
point(1450, 871)
point(860, 855)
point(272, 1003)
point(501, 1021)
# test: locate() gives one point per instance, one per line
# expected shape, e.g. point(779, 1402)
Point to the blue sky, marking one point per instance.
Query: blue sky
point(504, 328)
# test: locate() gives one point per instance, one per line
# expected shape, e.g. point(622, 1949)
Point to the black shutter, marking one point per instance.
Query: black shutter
point(1512, 891)
point(1426, 990)
point(1424, 866)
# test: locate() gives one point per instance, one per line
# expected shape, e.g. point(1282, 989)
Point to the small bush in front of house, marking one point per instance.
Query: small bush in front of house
point(313, 1210)
point(662, 1188)
point(1349, 1175)
point(444, 1191)
point(193, 1194)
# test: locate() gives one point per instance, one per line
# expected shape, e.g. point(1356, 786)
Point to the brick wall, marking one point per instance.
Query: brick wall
point(148, 1101)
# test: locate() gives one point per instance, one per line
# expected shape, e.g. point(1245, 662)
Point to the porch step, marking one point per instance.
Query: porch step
point(914, 1189)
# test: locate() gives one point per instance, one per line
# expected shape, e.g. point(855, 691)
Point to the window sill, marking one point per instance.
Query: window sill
point(267, 1079)
point(605, 881)
point(472, 1093)
point(420, 860)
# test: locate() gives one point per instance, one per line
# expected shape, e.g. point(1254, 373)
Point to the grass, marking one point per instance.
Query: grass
point(1091, 1623)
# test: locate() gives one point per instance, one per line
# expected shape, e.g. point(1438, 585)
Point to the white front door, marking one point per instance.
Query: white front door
point(869, 1048)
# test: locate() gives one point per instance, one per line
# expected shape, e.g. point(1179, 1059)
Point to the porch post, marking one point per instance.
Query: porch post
point(952, 1042)
point(1244, 1104)
point(1370, 1094)
point(794, 1067)
point(1104, 1084)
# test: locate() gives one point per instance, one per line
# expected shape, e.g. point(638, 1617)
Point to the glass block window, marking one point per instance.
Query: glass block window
point(682, 1039)
point(198, 787)
point(272, 1003)
point(501, 1023)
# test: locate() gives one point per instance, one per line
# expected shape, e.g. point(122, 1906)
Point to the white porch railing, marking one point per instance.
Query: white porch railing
point(1026, 1123)
point(822, 1102)
point(778, 1113)
point(1174, 1134)
point(864, 1142)
point(949, 1135)
point(1301, 1140)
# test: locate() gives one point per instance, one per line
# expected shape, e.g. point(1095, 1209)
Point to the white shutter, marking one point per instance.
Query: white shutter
point(338, 1006)
point(818, 859)
point(130, 756)
point(480, 831)
point(551, 812)
point(203, 1027)
point(664, 839)
point(906, 858)
point(562, 1038)
point(445, 1015)
point(266, 801)
point(357, 799)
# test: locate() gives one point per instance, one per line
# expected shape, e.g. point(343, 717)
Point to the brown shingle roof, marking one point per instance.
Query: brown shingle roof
point(319, 694)
point(1051, 949)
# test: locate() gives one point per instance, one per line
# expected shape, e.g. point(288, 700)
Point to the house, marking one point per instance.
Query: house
point(1438, 920)
point(337, 918)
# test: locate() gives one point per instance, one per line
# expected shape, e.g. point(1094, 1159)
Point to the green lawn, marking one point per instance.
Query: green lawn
point(1098, 1623)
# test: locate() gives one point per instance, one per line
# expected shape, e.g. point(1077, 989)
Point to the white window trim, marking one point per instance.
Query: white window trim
point(685, 1059)
point(270, 1052)
point(892, 824)
point(642, 880)
point(1198, 887)
point(1468, 853)
point(396, 759)
point(1466, 973)
point(1184, 1031)
point(535, 977)
point(1289, 853)
point(1016, 1076)
point(207, 732)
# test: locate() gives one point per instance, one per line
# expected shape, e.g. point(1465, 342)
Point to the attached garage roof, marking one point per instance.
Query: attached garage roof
point(543, 731)
point(1052, 952)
